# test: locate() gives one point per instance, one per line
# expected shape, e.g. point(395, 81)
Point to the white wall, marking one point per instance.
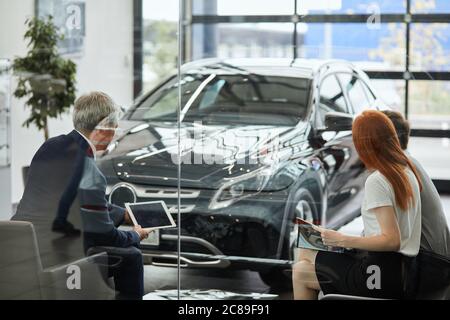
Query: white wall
point(106, 65)
point(5, 194)
point(12, 16)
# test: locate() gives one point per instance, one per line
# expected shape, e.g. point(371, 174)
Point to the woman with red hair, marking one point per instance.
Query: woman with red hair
point(373, 265)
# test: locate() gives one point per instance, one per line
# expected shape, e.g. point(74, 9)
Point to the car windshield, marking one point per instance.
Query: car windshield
point(212, 98)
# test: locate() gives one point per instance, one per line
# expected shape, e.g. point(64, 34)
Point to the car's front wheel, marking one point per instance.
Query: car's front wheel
point(304, 207)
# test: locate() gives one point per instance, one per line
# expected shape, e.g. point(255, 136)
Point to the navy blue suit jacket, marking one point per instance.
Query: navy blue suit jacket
point(53, 177)
point(71, 189)
point(50, 192)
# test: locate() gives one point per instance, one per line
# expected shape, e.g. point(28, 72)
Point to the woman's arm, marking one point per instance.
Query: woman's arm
point(388, 240)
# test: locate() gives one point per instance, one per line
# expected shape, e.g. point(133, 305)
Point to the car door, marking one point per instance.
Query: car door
point(338, 156)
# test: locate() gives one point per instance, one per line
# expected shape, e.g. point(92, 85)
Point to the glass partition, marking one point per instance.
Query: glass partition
point(160, 41)
point(431, 35)
point(433, 154)
point(242, 40)
point(428, 107)
point(378, 48)
point(391, 92)
point(82, 149)
point(256, 97)
point(242, 127)
point(143, 160)
point(230, 116)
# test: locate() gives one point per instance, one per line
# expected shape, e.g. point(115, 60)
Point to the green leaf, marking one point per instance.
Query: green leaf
point(44, 77)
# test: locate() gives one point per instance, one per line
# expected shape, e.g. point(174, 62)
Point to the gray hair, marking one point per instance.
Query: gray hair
point(94, 109)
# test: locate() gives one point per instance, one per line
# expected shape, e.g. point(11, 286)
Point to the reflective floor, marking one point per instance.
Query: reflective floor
point(157, 278)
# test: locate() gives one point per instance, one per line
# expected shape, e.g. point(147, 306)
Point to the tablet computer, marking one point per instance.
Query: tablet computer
point(309, 238)
point(150, 215)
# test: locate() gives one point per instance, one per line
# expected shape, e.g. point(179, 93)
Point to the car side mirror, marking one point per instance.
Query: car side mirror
point(338, 121)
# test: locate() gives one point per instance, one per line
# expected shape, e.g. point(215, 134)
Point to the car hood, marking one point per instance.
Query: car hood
point(147, 153)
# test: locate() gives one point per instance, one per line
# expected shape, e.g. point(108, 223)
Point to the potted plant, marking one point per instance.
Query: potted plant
point(44, 77)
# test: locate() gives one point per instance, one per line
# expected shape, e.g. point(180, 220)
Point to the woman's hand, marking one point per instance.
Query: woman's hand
point(331, 238)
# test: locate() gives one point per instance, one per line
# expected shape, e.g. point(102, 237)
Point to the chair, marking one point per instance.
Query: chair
point(345, 297)
point(23, 277)
point(443, 294)
point(431, 277)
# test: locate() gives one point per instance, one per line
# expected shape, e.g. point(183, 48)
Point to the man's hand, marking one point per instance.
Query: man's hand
point(143, 234)
point(331, 237)
point(127, 219)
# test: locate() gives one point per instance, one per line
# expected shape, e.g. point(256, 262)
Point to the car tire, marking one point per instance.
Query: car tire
point(277, 279)
point(306, 208)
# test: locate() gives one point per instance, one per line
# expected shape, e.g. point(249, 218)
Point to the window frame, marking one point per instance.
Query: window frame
point(408, 18)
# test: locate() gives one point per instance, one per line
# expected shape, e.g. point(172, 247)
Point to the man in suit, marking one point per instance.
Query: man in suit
point(49, 198)
point(64, 168)
point(57, 155)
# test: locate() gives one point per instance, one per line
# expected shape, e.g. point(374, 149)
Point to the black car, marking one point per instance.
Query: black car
point(263, 141)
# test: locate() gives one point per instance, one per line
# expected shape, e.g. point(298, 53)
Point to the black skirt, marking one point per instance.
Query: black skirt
point(363, 273)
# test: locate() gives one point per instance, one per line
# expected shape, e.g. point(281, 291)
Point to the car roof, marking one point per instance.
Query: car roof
point(302, 68)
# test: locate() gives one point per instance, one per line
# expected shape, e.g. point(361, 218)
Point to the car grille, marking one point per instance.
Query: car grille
point(127, 192)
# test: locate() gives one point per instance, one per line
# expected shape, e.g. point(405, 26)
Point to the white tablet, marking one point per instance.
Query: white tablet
point(150, 215)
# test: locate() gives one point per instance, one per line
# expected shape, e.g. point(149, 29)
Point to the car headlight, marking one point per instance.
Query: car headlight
point(244, 186)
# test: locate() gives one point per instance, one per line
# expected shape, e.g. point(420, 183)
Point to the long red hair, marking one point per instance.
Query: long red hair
point(378, 147)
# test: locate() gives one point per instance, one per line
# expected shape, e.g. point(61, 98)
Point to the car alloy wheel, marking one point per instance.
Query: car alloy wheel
point(306, 210)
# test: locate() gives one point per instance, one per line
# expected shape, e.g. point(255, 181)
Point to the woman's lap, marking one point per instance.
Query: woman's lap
point(360, 273)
